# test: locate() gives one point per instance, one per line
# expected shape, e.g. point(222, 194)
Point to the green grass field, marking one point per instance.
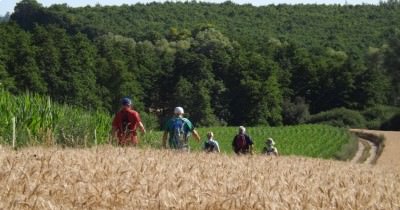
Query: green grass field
point(41, 122)
point(320, 141)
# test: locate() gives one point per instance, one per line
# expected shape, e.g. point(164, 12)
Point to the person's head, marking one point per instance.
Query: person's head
point(126, 102)
point(210, 135)
point(179, 111)
point(270, 141)
point(242, 130)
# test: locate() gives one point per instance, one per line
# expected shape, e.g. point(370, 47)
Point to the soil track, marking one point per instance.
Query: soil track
point(372, 152)
point(390, 156)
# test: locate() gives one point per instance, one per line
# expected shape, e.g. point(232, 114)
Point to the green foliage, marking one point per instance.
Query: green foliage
point(340, 117)
point(295, 112)
point(226, 64)
point(376, 116)
point(40, 121)
point(320, 141)
point(392, 64)
point(392, 124)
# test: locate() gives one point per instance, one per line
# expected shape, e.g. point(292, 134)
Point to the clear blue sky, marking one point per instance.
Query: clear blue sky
point(8, 5)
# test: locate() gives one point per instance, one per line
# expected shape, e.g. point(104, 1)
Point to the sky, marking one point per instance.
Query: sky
point(8, 5)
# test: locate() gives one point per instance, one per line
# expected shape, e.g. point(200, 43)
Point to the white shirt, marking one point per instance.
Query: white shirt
point(212, 141)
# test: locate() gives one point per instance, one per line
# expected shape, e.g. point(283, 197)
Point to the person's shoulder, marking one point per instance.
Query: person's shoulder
point(185, 119)
point(132, 111)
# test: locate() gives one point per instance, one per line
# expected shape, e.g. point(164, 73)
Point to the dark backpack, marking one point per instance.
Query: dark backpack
point(240, 143)
point(209, 146)
point(125, 123)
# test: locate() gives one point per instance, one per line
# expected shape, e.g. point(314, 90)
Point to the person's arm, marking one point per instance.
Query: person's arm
point(276, 152)
point(141, 127)
point(216, 143)
point(114, 131)
point(190, 128)
point(233, 143)
point(136, 118)
point(114, 127)
point(196, 135)
point(250, 142)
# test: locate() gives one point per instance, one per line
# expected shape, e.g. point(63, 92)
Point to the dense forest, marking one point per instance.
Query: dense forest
point(226, 64)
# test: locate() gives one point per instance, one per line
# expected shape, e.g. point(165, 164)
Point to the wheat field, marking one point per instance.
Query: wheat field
point(128, 178)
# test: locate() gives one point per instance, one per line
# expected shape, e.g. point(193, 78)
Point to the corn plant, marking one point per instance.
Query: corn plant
point(40, 121)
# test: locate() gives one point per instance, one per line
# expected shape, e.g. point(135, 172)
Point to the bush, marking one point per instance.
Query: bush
point(150, 121)
point(348, 150)
point(296, 112)
point(340, 117)
point(376, 116)
point(392, 124)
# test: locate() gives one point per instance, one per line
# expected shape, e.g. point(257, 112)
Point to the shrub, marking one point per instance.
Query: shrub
point(392, 124)
point(340, 117)
point(296, 112)
point(377, 115)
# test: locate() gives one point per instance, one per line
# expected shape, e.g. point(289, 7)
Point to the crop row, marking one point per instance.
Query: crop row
point(42, 122)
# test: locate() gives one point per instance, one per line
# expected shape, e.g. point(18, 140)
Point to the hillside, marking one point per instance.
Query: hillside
point(127, 178)
point(208, 58)
point(348, 28)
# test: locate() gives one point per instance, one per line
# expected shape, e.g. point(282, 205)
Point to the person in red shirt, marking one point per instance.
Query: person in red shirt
point(125, 123)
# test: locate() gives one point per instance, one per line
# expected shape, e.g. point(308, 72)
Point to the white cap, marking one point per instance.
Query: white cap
point(242, 129)
point(178, 110)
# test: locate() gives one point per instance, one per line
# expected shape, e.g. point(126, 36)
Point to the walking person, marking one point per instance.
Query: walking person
point(211, 145)
point(125, 123)
point(177, 131)
point(242, 143)
point(270, 148)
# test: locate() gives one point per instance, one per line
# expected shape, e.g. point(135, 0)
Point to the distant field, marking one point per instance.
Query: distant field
point(128, 178)
point(42, 122)
point(320, 141)
point(306, 140)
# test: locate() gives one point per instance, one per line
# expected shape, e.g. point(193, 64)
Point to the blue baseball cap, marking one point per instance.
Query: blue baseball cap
point(126, 101)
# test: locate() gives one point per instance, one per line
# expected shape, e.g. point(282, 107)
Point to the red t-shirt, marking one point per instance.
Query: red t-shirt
point(133, 118)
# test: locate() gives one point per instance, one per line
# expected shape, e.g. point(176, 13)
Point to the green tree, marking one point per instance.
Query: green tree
point(373, 83)
point(23, 67)
point(392, 64)
point(27, 13)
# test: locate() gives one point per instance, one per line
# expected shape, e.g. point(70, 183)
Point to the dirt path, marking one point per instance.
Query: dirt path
point(391, 152)
point(359, 153)
point(358, 157)
point(372, 152)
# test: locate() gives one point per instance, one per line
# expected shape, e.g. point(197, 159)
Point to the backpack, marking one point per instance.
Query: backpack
point(240, 142)
point(209, 146)
point(125, 123)
point(179, 133)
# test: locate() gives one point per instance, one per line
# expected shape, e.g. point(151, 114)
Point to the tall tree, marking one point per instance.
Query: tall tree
point(392, 64)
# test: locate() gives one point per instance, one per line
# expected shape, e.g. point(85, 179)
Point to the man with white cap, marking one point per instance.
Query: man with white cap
point(179, 129)
point(242, 143)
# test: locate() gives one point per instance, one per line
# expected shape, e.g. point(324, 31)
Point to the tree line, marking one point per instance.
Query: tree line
point(227, 64)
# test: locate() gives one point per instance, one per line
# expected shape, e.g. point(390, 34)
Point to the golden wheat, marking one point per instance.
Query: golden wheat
point(129, 178)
